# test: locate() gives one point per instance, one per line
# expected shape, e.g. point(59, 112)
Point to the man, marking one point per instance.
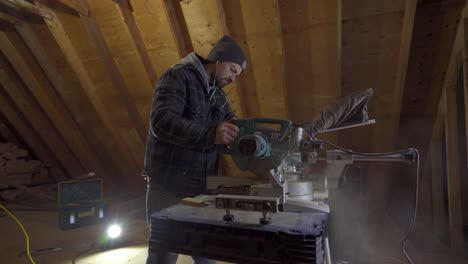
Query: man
point(189, 116)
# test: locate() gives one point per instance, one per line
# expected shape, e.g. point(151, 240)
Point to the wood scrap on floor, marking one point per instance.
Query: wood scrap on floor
point(22, 177)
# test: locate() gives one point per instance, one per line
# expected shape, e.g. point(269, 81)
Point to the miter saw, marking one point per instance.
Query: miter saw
point(290, 154)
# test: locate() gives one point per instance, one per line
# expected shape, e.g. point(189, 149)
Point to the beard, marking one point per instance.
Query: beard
point(221, 83)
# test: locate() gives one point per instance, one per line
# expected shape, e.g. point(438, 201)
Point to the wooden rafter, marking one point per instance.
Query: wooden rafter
point(70, 4)
point(31, 122)
point(403, 56)
point(39, 87)
point(127, 164)
point(126, 10)
point(87, 147)
point(437, 173)
point(31, 137)
point(23, 5)
point(115, 75)
point(178, 27)
point(10, 19)
point(282, 55)
point(451, 131)
point(75, 5)
point(465, 76)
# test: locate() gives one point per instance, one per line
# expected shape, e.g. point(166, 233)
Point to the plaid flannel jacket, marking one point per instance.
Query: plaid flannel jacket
point(180, 150)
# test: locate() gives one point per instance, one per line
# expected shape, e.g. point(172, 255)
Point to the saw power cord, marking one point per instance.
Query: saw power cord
point(24, 231)
point(410, 151)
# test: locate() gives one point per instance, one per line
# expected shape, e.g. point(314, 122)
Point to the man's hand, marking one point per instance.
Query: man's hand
point(226, 133)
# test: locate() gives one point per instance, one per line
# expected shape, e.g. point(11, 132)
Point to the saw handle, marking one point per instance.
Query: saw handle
point(249, 126)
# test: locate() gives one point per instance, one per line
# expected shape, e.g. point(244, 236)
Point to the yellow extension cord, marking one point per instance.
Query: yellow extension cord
point(24, 231)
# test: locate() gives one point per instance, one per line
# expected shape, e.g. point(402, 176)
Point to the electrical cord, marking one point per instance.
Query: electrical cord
point(24, 232)
point(416, 159)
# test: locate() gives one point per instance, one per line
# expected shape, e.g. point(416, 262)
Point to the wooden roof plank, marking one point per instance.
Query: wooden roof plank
point(451, 132)
point(87, 146)
point(10, 19)
point(178, 27)
point(126, 10)
point(465, 76)
point(115, 75)
point(29, 8)
point(39, 87)
point(32, 124)
point(127, 165)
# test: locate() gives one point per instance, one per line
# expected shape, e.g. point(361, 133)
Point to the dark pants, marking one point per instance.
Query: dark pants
point(157, 199)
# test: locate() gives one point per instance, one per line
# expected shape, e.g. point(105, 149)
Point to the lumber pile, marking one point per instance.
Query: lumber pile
point(19, 174)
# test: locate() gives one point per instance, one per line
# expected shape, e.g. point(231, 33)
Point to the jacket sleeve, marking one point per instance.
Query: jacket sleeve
point(167, 123)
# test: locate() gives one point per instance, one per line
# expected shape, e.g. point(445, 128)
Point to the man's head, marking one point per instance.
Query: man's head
point(230, 61)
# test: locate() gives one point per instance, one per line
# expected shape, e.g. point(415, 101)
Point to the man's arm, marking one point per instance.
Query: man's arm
point(167, 122)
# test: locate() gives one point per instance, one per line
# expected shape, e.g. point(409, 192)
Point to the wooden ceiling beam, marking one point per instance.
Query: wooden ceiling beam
point(436, 167)
point(465, 76)
point(178, 27)
point(126, 10)
point(115, 75)
point(400, 81)
point(282, 55)
point(70, 4)
point(22, 5)
point(31, 122)
point(39, 87)
point(452, 132)
point(127, 164)
point(31, 137)
point(10, 19)
point(87, 147)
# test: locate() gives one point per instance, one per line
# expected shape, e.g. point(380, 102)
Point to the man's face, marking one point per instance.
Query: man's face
point(226, 73)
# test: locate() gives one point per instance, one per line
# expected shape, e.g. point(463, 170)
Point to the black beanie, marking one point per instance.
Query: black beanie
point(226, 49)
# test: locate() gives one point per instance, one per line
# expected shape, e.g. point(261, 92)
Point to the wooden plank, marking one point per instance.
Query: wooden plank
point(178, 27)
point(403, 56)
point(465, 76)
point(31, 137)
point(156, 33)
point(69, 4)
point(437, 172)
point(282, 55)
point(75, 5)
point(10, 19)
point(126, 11)
point(263, 37)
point(312, 77)
point(87, 147)
point(29, 8)
point(68, 44)
point(452, 140)
point(115, 75)
point(39, 87)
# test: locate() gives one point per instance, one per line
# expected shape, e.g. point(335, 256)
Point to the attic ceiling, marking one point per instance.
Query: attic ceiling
point(77, 76)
